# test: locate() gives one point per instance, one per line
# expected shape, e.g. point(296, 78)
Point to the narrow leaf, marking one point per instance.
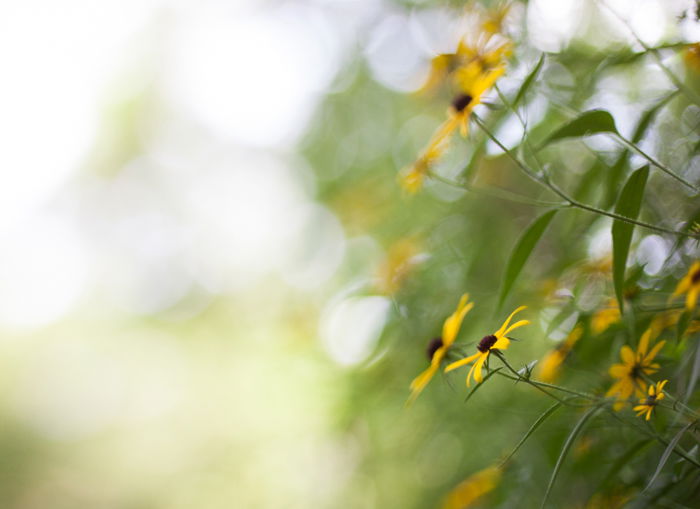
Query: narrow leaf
point(628, 205)
point(565, 449)
point(476, 387)
point(586, 124)
point(532, 429)
point(529, 80)
point(667, 453)
point(526, 243)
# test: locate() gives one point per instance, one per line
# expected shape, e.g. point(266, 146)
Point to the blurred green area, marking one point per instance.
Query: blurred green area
point(238, 402)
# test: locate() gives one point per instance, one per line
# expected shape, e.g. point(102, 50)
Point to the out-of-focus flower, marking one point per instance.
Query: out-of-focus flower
point(466, 493)
point(608, 501)
point(411, 178)
point(690, 285)
point(551, 363)
point(646, 405)
point(438, 347)
point(692, 56)
point(670, 318)
point(401, 258)
point(495, 341)
point(605, 317)
point(631, 371)
point(493, 24)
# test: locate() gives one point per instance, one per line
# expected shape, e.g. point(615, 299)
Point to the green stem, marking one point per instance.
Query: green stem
point(654, 162)
point(543, 180)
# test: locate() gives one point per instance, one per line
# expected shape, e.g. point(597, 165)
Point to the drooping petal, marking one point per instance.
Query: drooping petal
point(477, 367)
point(420, 382)
point(500, 332)
point(461, 362)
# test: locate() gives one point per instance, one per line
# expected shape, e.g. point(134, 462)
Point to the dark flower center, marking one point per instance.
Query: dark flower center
point(461, 101)
point(695, 278)
point(486, 343)
point(434, 345)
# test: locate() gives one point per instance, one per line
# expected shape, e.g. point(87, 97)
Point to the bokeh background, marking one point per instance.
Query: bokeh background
point(214, 294)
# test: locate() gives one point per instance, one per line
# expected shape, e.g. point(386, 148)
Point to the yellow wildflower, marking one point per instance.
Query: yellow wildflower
point(399, 261)
point(692, 56)
point(473, 488)
point(605, 317)
point(646, 405)
point(670, 318)
point(495, 341)
point(411, 178)
point(550, 364)
point(690, 285)
point(438, 347)
point(630, 373)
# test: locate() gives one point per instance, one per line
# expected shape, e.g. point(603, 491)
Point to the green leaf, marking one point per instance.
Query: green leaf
point(628, 205)
point(529, 80)
point(667, 453)
point(521, 252)
point(532, 429)
point(476, 387)
point(586, 124)
point(565, 449)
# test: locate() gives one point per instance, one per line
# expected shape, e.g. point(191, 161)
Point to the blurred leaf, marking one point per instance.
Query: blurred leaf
point(529, 80)
point(667, 453)
point(521, 252)
point(649, 115)
point(476, 387)
point(532, 429)
point(628, 205)
point(565, 449)
point(623, 460)
point(587, 123)
point(682, 325)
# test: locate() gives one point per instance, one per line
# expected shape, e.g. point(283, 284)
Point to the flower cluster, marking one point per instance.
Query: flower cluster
point(471, 71)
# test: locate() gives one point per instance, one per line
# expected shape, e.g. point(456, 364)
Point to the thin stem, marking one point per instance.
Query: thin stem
point(654, 53)
point(543, 180)
point(497, 193)
point(653, 161)
point(526, 380)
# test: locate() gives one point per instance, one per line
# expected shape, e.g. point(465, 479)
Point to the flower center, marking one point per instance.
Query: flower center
point(486, 343)
point(434, 345)
point(695, 278)
point(461, 101)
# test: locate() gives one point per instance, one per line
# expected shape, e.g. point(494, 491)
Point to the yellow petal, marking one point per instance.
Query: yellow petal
point(500, 332)
point(477, 367)
point(658, 346)
point(451, 327)
point(627, 355)
point(644, 343)
point(692, 298)
point(619, 371)
point(462, 362)
point(501, 343)
point(516, 325)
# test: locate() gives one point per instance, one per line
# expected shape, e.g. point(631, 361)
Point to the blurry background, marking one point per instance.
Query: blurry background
point(212, 291)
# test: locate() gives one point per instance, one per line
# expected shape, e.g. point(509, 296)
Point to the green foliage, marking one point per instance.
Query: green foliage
point(628, 205)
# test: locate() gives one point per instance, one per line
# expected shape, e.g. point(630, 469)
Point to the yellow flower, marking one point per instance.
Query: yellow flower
point(411, 178)
point(646, 405)
point(630, 373)
point(400, 259)
point(692, 56)
point(473, 488)
point(550, 364)
point(605, 317)
point(438, 347)
point(690, 285)
point(495, 341)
